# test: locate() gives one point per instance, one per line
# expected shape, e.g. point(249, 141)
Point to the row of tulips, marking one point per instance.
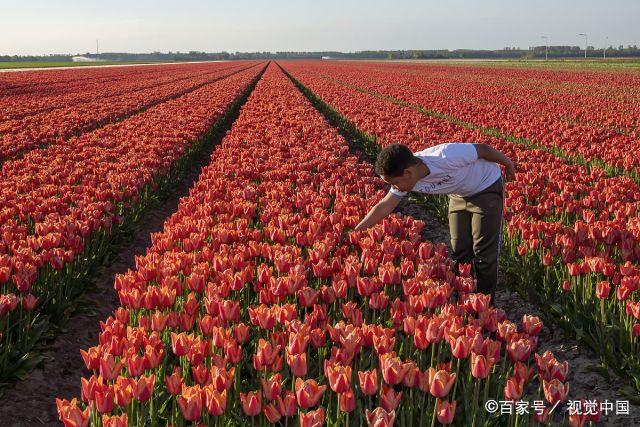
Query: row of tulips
point(57, 125)
point(63, 208)
point(572, 236)
point(256, 305)
point(26, 94)
point(513, 117)
point(607, 100)
point(60, 81)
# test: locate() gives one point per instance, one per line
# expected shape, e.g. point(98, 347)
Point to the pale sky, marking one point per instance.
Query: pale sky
point(72, 26)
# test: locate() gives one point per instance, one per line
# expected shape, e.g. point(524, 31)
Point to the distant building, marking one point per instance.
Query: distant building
point(84, 59)
point(327, 57)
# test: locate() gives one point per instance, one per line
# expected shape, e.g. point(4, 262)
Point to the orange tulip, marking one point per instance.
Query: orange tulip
point(480, 367)
point(461, 347)
point(272, 414)
point(368, 382)
point(71, 415)
point(215, 401)
point(513, 389)
point(308, 392)
point(115, 420)
point(531, 324)
point(190, 402)
point(442, 383)
point(221, 378)
point(446, 411)
point(393, 370)
point(251, 403)
point(380, 417)
point(339, 377)
point(298, 364)
point(555, 391)
point(312, 418)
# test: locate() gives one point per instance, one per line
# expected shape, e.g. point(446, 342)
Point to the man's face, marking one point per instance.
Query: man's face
point(404, 182)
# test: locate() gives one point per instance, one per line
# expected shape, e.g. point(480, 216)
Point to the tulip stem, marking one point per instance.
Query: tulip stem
point(455, 386)
point(433, 355)
point(486, 392)
point(422, 411)
point(476, 391)
point(435, 410)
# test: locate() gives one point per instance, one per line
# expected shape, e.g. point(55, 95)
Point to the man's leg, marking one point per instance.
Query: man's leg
point(486, 228)
point(460, 230)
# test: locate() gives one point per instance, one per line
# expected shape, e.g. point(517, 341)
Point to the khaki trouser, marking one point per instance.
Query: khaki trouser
point(475, 224)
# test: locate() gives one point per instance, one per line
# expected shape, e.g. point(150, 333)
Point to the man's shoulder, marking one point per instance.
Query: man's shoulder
point(432, 151)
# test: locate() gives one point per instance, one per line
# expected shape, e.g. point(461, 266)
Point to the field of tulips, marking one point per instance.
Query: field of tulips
point(61, 207)
point(573, 233)
point(69, 115)
point(28, 96)
point(257, 305)
point(560, 114)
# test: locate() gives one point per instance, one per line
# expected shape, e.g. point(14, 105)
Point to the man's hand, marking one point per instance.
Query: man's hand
point(491, 154)
point(344, 238)
point(510, 170)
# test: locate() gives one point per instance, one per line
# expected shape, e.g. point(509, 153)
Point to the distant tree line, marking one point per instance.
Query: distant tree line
point(535, 52)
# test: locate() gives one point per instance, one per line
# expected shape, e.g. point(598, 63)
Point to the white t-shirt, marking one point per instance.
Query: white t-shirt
point(454, 169)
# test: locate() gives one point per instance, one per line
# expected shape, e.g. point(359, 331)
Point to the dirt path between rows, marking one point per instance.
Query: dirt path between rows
point(31, 402)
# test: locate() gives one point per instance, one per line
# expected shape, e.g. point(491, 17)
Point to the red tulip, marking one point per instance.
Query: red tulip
point(603, 289)
point(104, 400)
point(143, 388)
point(390, 399)
point(287, 404)
point(174, 382)
point(347, 401)
point(109, 368)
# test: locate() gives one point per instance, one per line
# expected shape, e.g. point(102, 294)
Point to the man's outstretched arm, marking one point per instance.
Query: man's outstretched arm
point(490, 154)
point(383, 208)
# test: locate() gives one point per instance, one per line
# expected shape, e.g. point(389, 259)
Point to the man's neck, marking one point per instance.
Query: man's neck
point(423, 170)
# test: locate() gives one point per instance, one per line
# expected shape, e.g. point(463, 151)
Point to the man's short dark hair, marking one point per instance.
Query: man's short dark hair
point(393, 160)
